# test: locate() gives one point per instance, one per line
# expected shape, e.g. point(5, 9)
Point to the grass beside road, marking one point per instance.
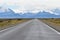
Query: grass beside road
point(53, 22)
point(6, 23)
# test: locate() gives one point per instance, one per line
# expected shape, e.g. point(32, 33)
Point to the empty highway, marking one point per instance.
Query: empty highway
point(31, 30)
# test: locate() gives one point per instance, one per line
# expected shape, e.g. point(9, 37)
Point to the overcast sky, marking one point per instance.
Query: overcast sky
point(30, 5)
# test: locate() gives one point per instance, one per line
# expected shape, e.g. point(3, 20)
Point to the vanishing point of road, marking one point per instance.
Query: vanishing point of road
point(31, 30)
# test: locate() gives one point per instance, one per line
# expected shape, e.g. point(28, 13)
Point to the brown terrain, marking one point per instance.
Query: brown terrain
point(53, 22)
point(6, 23)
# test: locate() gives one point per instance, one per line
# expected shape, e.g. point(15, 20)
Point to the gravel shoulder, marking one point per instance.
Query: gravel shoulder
point(54, 23)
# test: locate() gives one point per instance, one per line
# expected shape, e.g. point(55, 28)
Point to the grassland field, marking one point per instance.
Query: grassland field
point(6, 23)
point(52, 22)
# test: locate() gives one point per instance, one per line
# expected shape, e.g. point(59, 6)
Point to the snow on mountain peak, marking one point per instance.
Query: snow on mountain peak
point(53, 11)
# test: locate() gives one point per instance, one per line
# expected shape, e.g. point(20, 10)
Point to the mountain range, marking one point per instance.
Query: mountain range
point(8, 13)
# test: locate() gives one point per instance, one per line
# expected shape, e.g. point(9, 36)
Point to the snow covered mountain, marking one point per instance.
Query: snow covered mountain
point(8, 13)
point(43, 14)
point(56, 11)
point(46, 15)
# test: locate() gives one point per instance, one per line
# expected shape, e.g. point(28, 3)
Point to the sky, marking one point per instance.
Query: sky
point(30, 5)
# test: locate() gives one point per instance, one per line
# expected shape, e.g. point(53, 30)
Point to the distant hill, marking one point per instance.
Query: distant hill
point(46, 15)
point(8, 13)
point(40, 15)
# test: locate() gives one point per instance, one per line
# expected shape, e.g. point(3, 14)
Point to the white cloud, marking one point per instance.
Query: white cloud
point(23, 5)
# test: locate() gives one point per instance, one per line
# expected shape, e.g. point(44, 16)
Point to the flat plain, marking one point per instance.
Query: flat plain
point(53, 22)
point(6, 23)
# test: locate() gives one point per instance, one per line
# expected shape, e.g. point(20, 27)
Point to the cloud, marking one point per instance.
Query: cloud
point(30, 5)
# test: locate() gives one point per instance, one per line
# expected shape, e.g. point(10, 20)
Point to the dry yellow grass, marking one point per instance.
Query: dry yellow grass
point(55, 23)
point(7, 23)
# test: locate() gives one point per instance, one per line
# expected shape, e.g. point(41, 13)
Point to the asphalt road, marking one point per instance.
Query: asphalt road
point(31, 30)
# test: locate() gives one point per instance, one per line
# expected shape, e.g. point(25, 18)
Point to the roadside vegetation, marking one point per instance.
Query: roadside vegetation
point(6, 23)
point(53, 22)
